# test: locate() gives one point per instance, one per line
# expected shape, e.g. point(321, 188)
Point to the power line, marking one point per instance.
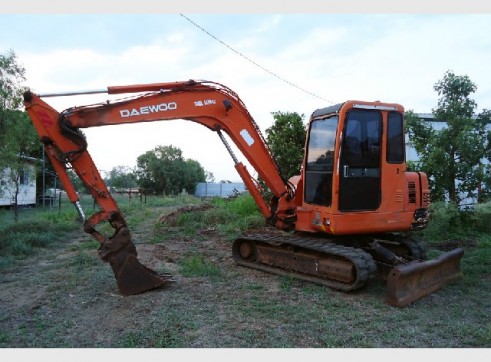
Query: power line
point(253, 62)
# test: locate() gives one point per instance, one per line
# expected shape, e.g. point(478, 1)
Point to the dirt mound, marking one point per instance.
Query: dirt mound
point(170, 218)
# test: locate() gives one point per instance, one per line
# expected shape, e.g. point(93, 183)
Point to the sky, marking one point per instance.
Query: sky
point(289, 59)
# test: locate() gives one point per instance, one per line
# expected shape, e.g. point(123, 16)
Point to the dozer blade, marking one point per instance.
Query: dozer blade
point(131, 276)
point(410, 282)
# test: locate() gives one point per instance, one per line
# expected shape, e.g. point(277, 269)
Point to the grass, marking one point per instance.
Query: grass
point(228, 217)
point(69, 299)
point(167, 330)
point(21, 239)
point(168, 337)
point(197, 266)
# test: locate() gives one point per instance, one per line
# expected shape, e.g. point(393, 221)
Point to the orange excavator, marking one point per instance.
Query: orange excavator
point(346, 214)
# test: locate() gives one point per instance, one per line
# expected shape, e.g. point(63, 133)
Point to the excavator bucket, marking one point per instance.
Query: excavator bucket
point(135, 278)
point(410, 282)
point(131, 276)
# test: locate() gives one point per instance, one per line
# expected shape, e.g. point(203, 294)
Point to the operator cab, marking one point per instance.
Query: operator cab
point(344, 154)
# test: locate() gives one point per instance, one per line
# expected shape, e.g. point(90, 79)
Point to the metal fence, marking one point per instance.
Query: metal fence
point(206, 189)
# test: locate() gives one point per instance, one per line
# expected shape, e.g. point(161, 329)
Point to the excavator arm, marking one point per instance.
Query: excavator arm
point(210, 104)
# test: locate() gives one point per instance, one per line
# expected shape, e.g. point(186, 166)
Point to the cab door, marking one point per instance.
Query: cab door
point(360, 158)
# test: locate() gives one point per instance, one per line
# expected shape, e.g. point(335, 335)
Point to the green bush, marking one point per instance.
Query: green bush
point(229, 216)
point(481, 217)
point(243, 205)
point(448, 222)
point(444, 222)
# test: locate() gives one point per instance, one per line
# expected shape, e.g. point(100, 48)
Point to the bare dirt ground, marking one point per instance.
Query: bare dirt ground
point(67, 297)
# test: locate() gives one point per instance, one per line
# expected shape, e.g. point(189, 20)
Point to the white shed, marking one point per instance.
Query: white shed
point(27, 186)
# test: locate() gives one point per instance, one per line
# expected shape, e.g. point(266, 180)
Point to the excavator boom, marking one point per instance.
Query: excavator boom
point(209, 104)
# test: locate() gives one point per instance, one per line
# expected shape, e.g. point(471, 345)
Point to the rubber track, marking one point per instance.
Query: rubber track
point(363, 262)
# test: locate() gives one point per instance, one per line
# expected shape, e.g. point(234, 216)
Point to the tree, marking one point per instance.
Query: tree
point(210, 177)
point(453, 156)
point(18, 138)
point(11, 78)
point(286, 141)
point(122, 177)
point(164, 170)
point(12, 75)
point(193, 173)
